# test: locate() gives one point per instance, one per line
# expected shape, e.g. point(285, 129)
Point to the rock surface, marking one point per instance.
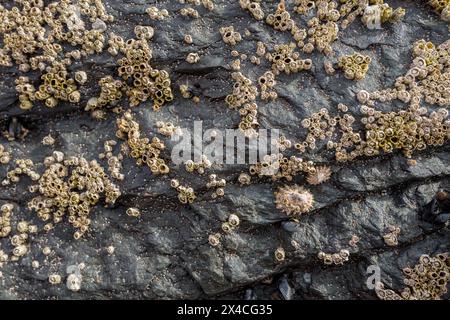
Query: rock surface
point(165, 253)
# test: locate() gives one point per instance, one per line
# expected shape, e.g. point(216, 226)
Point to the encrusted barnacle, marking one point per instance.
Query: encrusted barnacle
point(294, 200)
point(280, 254)
point(133, 212)
point(319, 175)
point(227, 227)
point(168, 129)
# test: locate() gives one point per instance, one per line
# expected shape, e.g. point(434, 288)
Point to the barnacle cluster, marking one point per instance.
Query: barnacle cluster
point(283, 143)
point(167, 129)
point(185, 194)
point(285, 59)
point(110, 94)
point(373, 12)
point(294, 200)
point(442, 7)
point(55, 86)
point(321, 36)
point(267, 83)
point(6, 211)
point(406, 130)
point(243, 96)
point(71, 185)
point(278, 166)
point(391, 238)
point(114, 162)
point(207, 4)
point(355, 66)
point(254, 7)
point(232, 223)
point(249, 122)
point(427, 280)
point(217, 184)
point(337, 258)
point(198, 166)
point(22, 167)
point(156, 14)
point(189, 12)
point(143, 81)
point(379, 13)
point(145, 152)
point(229, 35)
point(19, 240)
point(281, 19)
point(34, 36)
point(5, 156)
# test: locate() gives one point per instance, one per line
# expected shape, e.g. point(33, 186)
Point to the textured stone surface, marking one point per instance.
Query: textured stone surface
point(165, 254)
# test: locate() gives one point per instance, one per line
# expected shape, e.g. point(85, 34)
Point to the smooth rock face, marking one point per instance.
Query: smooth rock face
point(165, 254)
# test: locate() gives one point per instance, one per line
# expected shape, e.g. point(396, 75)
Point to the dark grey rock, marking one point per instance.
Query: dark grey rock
point(165, 254)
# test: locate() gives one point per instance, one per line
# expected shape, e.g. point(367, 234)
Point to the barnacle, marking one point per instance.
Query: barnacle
point(280, 254)
point(192, 58)
point(244, 179)
point(133, 212)
point(294, 200)
point(5, 156)
point(319, 175)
